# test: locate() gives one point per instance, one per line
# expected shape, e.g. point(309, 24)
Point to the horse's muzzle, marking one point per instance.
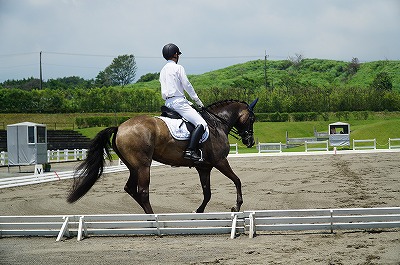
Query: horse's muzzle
point(248, 139)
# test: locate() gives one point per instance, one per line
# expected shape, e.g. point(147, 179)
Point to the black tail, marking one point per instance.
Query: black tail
point(90, 170)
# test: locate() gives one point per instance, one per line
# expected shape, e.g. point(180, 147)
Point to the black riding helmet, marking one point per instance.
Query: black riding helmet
point(169, 50)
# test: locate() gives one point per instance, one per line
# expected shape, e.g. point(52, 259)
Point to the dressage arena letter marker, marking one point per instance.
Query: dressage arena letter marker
point(39, 169)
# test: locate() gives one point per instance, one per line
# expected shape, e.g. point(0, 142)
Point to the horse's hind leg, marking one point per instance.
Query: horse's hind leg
point(224, 167)
point(138, 187)
point(204, 174)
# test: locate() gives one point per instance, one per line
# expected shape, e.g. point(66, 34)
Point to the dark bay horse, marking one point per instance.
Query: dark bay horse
point(142, 139)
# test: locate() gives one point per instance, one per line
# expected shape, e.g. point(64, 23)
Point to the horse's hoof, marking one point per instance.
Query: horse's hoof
point(234, 209)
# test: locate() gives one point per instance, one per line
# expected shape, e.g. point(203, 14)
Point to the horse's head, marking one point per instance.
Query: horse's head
point(245, 124)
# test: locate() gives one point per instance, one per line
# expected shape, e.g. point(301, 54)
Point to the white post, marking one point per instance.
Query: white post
point(3, 158)
point(233, 230)
point(252, 229)
point(66, 154)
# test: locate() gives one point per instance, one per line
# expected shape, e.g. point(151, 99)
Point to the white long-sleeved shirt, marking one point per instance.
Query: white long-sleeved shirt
point(174, 82)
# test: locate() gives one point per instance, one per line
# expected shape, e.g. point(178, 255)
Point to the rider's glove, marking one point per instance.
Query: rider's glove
point(199, 103)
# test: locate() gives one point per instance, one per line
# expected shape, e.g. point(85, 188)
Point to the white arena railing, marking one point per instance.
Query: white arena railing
point(363, 144)
point(322, 219)
point(233, 148)
point(10, 182)
point(316, 146)
point(248, 222)
point(392, 143)
point(54, 156)
point(66, 155)
point(269, 147)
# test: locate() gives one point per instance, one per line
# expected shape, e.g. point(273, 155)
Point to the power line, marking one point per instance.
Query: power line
point(17, 54)
point(73, 66)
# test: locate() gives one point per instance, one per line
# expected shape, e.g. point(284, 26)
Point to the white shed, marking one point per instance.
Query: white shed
point(339, 134)
point(26, 144)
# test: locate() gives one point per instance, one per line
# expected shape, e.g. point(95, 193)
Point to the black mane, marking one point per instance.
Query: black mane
point(223, 103)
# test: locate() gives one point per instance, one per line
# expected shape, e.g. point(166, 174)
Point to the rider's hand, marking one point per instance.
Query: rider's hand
point(199, 103)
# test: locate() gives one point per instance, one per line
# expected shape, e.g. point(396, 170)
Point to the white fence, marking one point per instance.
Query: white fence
point(47, 177)
point(322, 219)
point(66, 155)
point(316, 145)
point(233, 223)
point(233, 148)
point(54, 156)
point(363, 144)
point(392, 141)
point(269, 147)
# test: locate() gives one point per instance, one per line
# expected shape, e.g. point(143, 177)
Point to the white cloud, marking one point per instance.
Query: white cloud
point(337, 30)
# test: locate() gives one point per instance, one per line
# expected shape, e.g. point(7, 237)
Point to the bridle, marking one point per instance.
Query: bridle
point(241, 135)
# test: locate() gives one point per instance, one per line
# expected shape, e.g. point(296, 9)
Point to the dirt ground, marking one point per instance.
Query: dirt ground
point(270, 182)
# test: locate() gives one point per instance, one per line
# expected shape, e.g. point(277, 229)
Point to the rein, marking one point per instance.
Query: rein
point(233, 131)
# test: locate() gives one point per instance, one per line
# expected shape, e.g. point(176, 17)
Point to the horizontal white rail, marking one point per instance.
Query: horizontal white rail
point(54, 156)
point(317, 145)
point(322, 219)
point(123, 224)
point(373, 141)
point(54, 176)
point(47, 177)
point(66, 155)
point(392, 145)
point(233, 148)
point(269, 147)
point(234, 223)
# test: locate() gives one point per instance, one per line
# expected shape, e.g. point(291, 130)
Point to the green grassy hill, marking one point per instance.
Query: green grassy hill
point(317, 72)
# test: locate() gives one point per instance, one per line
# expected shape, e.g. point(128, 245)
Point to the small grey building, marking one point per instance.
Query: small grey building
point(339, 134)
point(26, 144)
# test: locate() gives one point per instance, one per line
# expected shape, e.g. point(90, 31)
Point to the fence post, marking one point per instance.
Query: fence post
point(3, 158)
point(64, 229)
point(252, 225)
point(234, 223)
point(66, 154)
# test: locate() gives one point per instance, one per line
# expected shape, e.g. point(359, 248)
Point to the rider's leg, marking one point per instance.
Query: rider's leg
point(191, 151)
point(181, 105)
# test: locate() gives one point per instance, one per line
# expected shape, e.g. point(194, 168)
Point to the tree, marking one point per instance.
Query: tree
point(354, 66)
point(149, 77)
point(121, 71)
point(382, 82)
point(296, 60)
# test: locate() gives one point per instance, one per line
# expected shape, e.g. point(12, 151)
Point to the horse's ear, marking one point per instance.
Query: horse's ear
point(253, 104)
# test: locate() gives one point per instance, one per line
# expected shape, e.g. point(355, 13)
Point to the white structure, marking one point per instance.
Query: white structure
point(26, 144)
point(339, 134)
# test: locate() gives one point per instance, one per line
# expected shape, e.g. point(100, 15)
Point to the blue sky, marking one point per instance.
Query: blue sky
point(81, 37)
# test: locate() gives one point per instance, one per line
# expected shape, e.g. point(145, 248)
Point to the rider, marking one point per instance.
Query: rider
point(174, 82)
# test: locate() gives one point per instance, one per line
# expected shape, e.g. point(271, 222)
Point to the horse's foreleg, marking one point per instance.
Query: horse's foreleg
point(204, 174)
point(138, 187)
point(224, 167)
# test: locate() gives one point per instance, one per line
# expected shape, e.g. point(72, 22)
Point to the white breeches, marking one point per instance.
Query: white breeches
point(182, 106)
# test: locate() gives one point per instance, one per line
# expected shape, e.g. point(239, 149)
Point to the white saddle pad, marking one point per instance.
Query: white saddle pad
point(179, 130)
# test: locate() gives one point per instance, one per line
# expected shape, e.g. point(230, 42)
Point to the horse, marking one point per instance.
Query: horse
point(142, 139)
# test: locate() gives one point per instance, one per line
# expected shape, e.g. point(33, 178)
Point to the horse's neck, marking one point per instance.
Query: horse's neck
point(228, 116)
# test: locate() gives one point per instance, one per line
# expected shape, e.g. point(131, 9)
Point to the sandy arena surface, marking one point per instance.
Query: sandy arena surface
point(272, 182)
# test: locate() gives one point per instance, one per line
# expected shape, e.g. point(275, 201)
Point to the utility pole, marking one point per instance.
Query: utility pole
point(265, 70)
point(41, 82)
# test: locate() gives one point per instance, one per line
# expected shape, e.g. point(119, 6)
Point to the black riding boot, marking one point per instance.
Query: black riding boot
point(191, 151)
